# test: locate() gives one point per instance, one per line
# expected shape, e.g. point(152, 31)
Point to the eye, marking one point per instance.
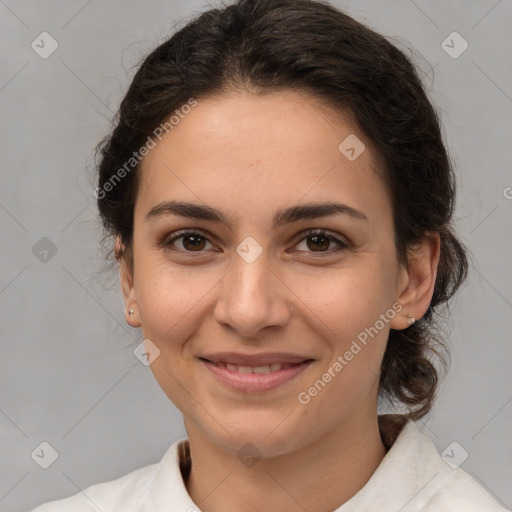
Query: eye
point(318, 241)
point(191, 241)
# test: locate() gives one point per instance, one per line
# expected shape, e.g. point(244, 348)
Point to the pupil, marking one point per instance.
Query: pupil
point(196, 244)
point(325, 239)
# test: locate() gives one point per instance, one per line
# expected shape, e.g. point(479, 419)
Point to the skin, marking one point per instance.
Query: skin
point(248, 156)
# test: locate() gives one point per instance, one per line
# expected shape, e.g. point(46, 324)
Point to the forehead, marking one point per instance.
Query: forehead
point(251, 153)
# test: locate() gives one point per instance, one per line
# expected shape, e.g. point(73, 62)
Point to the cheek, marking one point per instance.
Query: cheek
point(357, 311)
point(351, 298)
point(172, 303)
point(170, 299)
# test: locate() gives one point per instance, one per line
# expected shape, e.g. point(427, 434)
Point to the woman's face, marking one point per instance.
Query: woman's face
point(251, 285)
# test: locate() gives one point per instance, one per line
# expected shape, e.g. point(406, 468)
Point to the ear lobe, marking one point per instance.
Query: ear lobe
point(423, 261)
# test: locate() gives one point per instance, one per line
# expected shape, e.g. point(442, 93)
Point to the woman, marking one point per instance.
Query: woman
point(279, 199)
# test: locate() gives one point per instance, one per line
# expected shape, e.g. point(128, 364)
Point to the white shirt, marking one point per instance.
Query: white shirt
point(411, 477)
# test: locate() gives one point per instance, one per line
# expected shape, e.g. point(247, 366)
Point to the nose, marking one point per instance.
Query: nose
point(252, 297)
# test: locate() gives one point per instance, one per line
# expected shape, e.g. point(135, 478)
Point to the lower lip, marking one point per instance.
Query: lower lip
point(255, 382)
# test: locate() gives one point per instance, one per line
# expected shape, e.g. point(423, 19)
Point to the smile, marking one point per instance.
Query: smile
point(254, 379)
point(255, 369)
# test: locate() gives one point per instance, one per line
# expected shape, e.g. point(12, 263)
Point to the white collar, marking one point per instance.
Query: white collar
point(411, 477)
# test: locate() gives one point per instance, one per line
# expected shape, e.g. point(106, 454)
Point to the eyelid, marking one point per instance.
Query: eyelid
point(342, 242)
point(168, 240)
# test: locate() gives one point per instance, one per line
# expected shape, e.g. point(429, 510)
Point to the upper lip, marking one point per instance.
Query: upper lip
point(262, 359)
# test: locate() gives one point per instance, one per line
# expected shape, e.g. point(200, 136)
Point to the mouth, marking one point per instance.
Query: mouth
point(254, 378)
point(261, 369)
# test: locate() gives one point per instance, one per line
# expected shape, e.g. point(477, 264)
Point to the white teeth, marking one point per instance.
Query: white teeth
point(254, 369)
point(261, 369)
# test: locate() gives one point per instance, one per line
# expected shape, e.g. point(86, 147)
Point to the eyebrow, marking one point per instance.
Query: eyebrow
point(281, 218)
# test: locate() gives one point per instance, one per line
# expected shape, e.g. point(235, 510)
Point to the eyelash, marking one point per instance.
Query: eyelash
point(343, 245)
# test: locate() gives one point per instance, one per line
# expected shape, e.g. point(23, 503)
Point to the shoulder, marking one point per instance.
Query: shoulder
point(156, 487)
point(457, 491)
point(414, 477)
point(130, 493)
point(449, 488)
point(123, 493)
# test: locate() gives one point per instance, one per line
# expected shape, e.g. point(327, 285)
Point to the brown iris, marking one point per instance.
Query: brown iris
point(316, 238)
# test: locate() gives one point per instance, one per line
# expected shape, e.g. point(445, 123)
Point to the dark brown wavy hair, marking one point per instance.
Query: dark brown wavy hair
point(310, 46)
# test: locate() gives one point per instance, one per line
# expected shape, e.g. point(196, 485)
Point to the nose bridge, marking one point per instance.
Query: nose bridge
point(249, 297)
point(250, 279)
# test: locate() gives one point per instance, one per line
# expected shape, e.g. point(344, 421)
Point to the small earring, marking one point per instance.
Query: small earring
point(410, 319)
point(131, 312)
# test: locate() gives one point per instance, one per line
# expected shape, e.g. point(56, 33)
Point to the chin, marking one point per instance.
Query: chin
point(267, 436)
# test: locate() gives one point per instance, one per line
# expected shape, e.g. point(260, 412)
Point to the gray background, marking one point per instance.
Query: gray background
point(68, 375)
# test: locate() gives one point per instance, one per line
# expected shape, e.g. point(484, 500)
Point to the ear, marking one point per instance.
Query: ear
point(417, 281)
point(127, 287)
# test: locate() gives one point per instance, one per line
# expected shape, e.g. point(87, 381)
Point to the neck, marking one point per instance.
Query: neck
point(319, 477)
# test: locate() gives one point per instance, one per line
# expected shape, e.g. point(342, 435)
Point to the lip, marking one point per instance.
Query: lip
point(261, 359)
point(255, 382)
